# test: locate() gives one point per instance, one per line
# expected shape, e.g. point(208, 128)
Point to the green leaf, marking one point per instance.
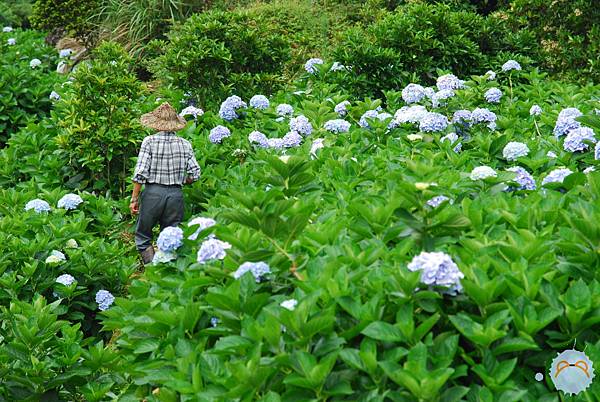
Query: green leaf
point(382, 331)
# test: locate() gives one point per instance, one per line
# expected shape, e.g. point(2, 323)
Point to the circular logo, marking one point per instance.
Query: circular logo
point(571, 372)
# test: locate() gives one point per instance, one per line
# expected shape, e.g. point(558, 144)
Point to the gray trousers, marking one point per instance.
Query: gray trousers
point(158, 204)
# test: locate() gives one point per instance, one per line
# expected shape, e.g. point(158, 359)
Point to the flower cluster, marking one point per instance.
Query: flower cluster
point(483, 115)
point(71, 243)
point(449, 81)
point(557, 176)
point(576, 139)
point(55, 257)
point(54, 96)
point(410, 114)
point(342, 108)
point(566, 121)
point(203, 224)
point(7, 29)
point(38, 206)
point(452, 138)
point(65, 52)
point(230, 106)
point(289, 304)
point(433, 122)
point(218, 133)
point(437, 201)
point(597, 151)
point(170, 239)
point(514, 150)
point(70, 201)
point(442, 95)
point(462, 117)
point(337, 66)
point(523, 178)
point(104, 299)
point(493, 95)
point(310, 65)
point(316, 145)
point(301, 125)
point(192, 111)
point(437, 269)
point(212, 249)
point(284, 110)
point(256, 137)
point(11, 41)
point(535, 110)
point(372, 114)
point(491, 76)
point(482, 173)
point(65, 279)
point(337, 126)
point(260, 102)
point(257, 269)
point(291, 139)
point(35, 63)
point(413, 93)
point(511, 65)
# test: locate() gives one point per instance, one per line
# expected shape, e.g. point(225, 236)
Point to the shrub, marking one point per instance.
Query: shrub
point(568, 34)
point(98, 119)
point(24, 91)
point(417, 39)
point(72, 16)
point(215, 53)
point(15, 13)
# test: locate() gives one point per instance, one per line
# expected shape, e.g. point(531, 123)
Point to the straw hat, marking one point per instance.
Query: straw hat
point(163, 118)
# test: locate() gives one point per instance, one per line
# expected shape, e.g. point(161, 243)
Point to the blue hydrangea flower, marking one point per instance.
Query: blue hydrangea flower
point(192, 111)
point(275, 143)
point(437, 201)
point(449, 81)
point(337, 126)
point(285, 110)
point(482, 173)
point(65, 279)
point(289, 304)
point(212, 249)
point(301, 125)
point(11, 41)
point(452, 138)
point(440, 96)
point(597, 151)
point(369, 114)
point(310, 65)
point(104, 299)
point(437, 269)
point(229, 108)
point(214, 321)
point(493, 95)
point(70, 201)
point(557, 175)
point(589, 169)
point(511, 65)
point(7, 29)
point(258, 269)
point(551, 154)
point(429, 92)
point(433, 122)
point(491, 76)
point(462, 118)
point(54, 96)
point(576, 139)
point(535, 110)
point(256, 137)
point(514, 150)
point(38, 206)
point(203, 224)
point(170, 239)
point(218, 133)
point(413, 93)
point(342, 108)
point(410, 114)
point(260, 102)
point(523, 178)
point(35, 63)
point(566, 121)
point(483, 115)
point(291, 139)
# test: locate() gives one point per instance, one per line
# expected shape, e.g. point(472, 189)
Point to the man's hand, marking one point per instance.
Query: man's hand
point(189, 180)
point(134, 207)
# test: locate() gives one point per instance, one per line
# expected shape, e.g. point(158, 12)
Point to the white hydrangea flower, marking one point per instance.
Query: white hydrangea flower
point(482, 173)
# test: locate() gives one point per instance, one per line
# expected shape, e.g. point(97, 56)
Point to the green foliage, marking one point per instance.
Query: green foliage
point(15, 13)
point(98, 119)
point(417, 39)
point(72, 16)
point(24, 90)
point(215, 54)
point(567, 32)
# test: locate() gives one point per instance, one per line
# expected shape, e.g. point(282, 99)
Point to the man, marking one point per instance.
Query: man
point(164, 164)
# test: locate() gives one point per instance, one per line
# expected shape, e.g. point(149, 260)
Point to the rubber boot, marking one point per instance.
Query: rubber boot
point(147, 255)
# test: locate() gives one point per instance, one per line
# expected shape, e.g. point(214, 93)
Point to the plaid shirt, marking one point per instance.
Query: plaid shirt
point(166, 159)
